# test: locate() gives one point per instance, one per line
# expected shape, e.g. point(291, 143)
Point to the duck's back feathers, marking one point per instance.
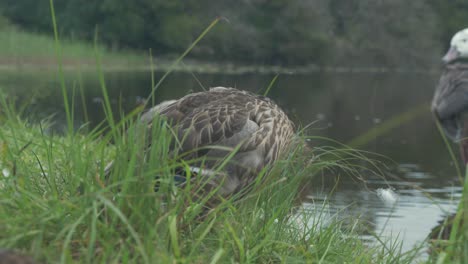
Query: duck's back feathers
point(227, 117)
point(253, 125)
point(451, 94)
point(451, 98)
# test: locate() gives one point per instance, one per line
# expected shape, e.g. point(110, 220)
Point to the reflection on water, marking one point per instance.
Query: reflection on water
point(411, 216)
point(341, 106)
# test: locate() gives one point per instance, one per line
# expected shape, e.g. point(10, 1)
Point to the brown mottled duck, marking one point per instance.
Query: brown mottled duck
point(212, 123)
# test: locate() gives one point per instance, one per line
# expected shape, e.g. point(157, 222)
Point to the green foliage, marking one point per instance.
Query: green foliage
point(255, 31)
point(354, 32)
point(28, 50)
point(386, 32)
point(452, 17)
point(57, 206)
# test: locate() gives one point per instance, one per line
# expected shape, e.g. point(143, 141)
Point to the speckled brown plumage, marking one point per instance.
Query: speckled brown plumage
point(230, 118)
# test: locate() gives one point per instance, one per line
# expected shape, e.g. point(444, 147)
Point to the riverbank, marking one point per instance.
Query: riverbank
point(26, 51)
point(56, 205)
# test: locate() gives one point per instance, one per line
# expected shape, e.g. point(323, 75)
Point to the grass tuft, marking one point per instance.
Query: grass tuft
point(59, 207)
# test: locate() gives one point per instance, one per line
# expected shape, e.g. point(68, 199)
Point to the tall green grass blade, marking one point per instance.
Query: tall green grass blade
point(58, 50)
point(441, 258)
point(181, 57)
point(198, 82)
point(124, 220)
point(71, 232)
point(153, 102)
point(272, 82)
point(93, 233)
point(217, 256)
point(239, 245)
point(322, 259)
point(202, 236)
point(83, 97)
point(388, 125)
point(450, 150)
point(174, 237)
point(107, 105)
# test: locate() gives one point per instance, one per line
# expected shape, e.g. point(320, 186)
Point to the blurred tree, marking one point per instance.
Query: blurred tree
point(32, 14)
point(344, 32)
point(397, 33)
point(453, 16)
point(278, 31)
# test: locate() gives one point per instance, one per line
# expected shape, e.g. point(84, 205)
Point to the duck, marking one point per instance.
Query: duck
point(450, 100)
point(450, 106)
point(211, 125)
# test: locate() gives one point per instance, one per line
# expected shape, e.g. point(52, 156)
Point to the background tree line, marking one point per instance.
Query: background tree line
point(293, 32)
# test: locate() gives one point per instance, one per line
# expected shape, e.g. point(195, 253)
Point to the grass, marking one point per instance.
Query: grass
point(56, 205)
point(18, 43)
point(20, 47)
point(31, 51)
point(450, 243)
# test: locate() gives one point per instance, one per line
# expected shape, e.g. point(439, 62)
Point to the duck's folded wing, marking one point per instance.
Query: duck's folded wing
point(203, 121)
point(451, 95)
point(221, 125)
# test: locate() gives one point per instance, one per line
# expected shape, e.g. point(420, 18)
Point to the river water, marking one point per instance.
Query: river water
point(341, 105)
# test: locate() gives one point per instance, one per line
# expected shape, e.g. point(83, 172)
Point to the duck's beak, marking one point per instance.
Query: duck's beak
point(451, 55)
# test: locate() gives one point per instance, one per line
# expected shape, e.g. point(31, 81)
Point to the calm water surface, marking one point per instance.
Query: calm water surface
point(340, 106)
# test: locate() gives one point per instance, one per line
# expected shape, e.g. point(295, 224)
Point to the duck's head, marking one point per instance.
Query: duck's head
point(458, 47)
